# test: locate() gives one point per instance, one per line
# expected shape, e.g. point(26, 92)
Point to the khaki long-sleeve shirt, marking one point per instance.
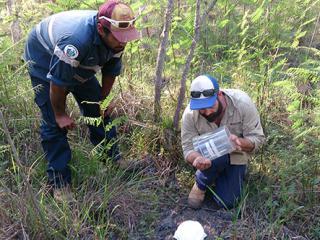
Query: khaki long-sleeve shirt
point(241, 117)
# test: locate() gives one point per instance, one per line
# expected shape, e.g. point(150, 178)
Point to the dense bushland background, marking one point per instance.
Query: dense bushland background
point(270, 49)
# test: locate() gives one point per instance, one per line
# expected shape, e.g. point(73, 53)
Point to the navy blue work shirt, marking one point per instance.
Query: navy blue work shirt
point(66, 49)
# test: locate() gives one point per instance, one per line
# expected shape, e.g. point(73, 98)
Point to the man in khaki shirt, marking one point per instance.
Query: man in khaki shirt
point(210, 108)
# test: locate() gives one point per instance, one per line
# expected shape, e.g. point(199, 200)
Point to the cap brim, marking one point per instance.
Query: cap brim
point(202, 103)
point(126, 35)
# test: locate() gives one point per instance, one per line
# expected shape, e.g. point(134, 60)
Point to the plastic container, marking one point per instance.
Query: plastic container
point(190, 230)
point(214, 144)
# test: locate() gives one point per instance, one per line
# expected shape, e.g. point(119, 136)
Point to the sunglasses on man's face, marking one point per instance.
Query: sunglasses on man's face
point(205, 93)
point(120, 24)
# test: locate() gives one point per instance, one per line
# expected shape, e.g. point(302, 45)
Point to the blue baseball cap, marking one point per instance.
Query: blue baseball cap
point(204, 91)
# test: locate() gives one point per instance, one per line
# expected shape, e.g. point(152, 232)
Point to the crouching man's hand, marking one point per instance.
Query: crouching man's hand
point(242, 144)
point(198, 161)
point(201, 163)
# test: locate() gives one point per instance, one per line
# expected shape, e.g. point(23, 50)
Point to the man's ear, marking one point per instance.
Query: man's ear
point(100, 29)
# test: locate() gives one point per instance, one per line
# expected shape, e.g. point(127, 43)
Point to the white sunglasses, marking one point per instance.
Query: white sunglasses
point(120, 24)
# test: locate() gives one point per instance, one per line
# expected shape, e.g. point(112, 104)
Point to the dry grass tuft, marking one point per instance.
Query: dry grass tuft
point(128, 104)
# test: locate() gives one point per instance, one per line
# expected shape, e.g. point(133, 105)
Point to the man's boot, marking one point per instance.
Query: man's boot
point(196, 197)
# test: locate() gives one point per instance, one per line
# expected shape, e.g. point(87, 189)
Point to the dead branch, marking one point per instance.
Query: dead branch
point(160, 61)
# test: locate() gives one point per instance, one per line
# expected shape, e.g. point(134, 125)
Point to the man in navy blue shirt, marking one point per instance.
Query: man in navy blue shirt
point(64, 52)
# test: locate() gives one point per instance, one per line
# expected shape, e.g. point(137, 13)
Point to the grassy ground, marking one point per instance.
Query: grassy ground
point(280, 198)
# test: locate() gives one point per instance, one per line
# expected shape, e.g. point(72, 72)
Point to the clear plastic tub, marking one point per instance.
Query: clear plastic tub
point(214, 144)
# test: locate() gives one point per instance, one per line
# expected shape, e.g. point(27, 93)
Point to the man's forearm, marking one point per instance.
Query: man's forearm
point(107, 83)
point(58, 97)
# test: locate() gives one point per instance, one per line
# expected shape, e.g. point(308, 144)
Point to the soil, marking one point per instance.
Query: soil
point(217, 223)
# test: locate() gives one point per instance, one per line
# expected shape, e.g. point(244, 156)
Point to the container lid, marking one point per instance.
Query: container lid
point(190, 230)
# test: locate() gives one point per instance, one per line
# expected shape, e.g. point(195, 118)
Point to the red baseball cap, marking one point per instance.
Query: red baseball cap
point(119, 18)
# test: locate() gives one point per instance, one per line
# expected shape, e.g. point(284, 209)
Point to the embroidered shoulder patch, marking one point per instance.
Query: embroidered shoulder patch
point(71, 51)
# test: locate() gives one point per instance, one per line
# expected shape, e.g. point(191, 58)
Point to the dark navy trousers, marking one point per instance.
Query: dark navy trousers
point(228, 181)
point(54, 139)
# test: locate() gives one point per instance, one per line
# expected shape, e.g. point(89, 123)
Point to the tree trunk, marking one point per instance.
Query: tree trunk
point(160, 61)
point(10, 4)
point(15, 29)
point(181, 96)
point(187, 65)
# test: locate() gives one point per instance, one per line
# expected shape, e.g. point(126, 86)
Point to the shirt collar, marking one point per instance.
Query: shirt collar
point(230, 104)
